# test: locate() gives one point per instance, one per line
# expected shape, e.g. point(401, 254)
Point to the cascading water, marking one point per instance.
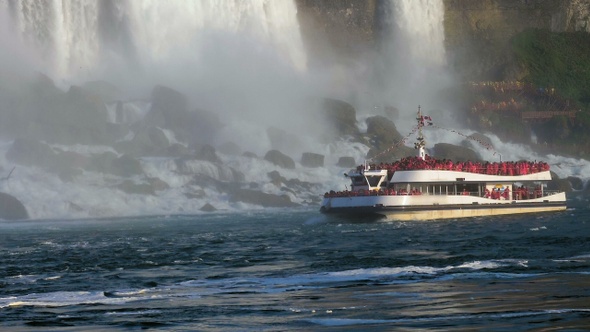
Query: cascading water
point(80, 40)
point(414, 61)
point(241, 59)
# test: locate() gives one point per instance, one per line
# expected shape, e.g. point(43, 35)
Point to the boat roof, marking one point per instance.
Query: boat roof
point(457, 176)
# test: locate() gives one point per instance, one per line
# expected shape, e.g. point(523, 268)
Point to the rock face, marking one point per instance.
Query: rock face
point(478, 33)
point(338, 27)
point(11, 208)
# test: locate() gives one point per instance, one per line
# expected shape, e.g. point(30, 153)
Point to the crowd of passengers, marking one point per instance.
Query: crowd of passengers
point(491, 168)
point(519, 193)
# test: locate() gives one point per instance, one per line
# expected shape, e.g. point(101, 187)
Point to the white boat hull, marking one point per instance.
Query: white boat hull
point(432, 207)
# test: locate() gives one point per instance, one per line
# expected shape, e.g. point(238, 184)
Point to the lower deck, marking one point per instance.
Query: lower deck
point(429, 207)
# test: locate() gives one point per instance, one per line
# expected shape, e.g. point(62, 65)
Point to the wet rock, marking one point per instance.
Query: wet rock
point(11, 208)
point(382, 132)
point(259, 198)
point(126, 166)
point(30, 152)
point(170, 111)
point(558, 184)
point(278, 158)
point(309, 159)
point(130, 187)
point(207, 152)
point(208, 208)
point(576, 182)
point(146, 142)
point(158, 184)
point(347, 162)
point(342, 116)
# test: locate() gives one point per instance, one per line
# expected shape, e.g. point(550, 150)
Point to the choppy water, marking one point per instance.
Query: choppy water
point(296, 270)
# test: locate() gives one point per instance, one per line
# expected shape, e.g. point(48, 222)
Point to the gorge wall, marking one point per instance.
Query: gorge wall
point(477, 32)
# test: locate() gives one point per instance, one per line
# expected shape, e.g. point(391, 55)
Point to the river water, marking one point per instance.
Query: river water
point(296, 270)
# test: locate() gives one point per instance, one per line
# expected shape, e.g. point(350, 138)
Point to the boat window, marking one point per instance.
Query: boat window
point(373, 180)
point(358, 181)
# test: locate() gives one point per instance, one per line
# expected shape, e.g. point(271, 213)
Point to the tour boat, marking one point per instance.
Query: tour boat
point(426, 188)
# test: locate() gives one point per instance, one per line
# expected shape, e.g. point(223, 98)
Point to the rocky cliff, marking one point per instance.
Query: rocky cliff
point(477, 32)
point(339, 28)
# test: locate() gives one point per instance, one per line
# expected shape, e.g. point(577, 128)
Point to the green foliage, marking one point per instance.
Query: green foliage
point(558, 60)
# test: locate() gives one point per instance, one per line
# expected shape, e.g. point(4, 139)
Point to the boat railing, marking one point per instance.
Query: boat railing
point(391, 192)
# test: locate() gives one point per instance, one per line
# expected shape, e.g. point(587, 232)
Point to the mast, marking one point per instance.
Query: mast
point(420, 143)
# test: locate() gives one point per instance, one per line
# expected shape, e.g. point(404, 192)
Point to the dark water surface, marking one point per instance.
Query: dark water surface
point(296, 270)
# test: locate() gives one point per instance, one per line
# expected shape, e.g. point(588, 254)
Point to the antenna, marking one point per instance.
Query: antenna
point(420, 142)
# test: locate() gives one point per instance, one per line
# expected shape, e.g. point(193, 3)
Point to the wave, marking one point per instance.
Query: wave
point(262, 285)
point(448, 319)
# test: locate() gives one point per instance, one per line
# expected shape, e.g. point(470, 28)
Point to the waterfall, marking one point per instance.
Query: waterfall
point(418, 24)
point(413, 53)
point(81, 40)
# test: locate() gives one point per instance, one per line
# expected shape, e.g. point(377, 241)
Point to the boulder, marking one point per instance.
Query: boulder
point(30, 152)
point(208, 208)
point(309, 159)
point(576, 182)
point(259, 198)
point(559, 185)
point(207, 152)
point(342, 116)
point(11, 208)
point(126, 166)
point(170, 111)
point(278, 158)
point(382, 132)
point(347, 162)
point(147, 141)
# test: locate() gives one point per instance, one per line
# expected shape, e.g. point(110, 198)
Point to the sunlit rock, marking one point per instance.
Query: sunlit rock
point(11, 208)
